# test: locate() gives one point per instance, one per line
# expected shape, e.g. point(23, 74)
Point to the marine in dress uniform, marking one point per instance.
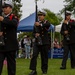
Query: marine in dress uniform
point(42, 31)
point(68, 32)
point(9, 24)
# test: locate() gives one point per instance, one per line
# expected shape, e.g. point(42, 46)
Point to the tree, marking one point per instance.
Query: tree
point(52, 17)
point(70, 6)
point(22, 34)
point(17, 6)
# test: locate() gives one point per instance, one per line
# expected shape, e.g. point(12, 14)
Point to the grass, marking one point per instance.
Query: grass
point(53, 68)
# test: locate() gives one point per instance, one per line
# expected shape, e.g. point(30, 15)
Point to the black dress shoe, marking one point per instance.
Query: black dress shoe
point(63, 68)
point(73, 67)
point(33, 73)
point(44, 73)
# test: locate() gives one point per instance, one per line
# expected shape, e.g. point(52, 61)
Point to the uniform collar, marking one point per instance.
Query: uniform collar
point(41, 21)
point(6, 15)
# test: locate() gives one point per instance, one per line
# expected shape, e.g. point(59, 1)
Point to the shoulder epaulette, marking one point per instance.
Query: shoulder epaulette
point(11, 16)
point(72, 20)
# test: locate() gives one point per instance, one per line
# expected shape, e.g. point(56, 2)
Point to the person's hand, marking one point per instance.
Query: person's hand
point(37, 34)
point(1, 18)
point(66, 32)
point(1, 33)
point(37, 23)
point(65, 21)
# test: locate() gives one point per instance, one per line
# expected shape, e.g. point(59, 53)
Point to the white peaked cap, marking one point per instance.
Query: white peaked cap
point(9, 2)
point(69, 12)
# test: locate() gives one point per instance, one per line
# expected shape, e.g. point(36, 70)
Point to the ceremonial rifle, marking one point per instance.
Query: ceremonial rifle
point(39, 40)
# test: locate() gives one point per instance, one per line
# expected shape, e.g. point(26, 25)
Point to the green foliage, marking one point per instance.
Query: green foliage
point(57, 34)
point(22, 34)
point(17, 6)
point(70, 6)
point(52, 17)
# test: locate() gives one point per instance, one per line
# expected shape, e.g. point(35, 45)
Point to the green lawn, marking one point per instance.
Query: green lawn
point(53, 69)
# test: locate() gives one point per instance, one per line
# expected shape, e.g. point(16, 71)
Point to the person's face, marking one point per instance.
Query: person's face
point(41, 17)
point(7, 10)
point(68, 17)
point(56, 39)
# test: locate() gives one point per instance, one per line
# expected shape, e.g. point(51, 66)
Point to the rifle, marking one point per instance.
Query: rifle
point(39, 40)
point(1, 37)
point(67, 37)
point(65, 13)
point(36, 19)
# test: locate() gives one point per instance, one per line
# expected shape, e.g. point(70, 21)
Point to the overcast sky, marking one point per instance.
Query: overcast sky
point(29, 6)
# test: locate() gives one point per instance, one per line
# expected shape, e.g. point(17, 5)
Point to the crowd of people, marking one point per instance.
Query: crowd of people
point(25, 47)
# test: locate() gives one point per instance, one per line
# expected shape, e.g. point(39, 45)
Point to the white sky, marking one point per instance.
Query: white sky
point(29, 6)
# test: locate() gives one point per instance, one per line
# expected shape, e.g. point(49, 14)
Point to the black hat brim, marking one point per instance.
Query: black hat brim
point(6, 5)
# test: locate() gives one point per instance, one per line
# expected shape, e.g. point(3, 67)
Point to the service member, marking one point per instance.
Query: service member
point(68, 32)
point(42, 31)
point(9, 24)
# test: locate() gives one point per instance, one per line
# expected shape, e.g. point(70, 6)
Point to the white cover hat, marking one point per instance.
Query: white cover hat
point(7, 2)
